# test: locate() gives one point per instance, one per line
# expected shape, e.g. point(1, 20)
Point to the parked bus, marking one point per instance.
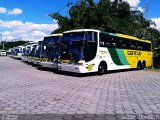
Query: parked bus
point(17, 52)
point(37, 57)
point(27, 50)
point(33, 48)
point(50, 51)
point(88, 50)
point(35, 54)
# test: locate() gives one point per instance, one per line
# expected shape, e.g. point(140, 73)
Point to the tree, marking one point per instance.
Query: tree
point(108, 16)
point(8, 45)
point(63, 22)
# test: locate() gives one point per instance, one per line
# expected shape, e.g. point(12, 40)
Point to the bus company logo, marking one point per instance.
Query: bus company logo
point(134, 53)
point(90, 67)
point(103, 52)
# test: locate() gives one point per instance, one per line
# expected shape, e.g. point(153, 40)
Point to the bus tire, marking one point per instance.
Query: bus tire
point(102, 68)
point(140, 65)
point(144, 64)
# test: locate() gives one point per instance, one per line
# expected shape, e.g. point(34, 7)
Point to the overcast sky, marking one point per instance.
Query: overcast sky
point(29, 20)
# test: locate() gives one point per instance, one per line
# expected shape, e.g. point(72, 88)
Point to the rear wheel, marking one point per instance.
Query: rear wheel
point(140, 66)
point(144, 64)
point(102, 69)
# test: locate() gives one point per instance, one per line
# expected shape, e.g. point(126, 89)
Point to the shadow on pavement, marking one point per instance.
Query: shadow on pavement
point(82, 74)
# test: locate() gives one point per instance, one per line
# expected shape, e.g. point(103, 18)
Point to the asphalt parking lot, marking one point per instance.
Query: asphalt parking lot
point(26, 90)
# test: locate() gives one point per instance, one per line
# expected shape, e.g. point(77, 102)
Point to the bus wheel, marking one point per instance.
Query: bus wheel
point(140, 66)
point(144, 64)
point(102, 69)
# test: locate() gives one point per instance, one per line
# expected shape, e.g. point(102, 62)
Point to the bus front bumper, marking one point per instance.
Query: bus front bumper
point(73, 68)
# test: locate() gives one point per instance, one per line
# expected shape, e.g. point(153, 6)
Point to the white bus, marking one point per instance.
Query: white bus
point(27, 50)
point(34, 55)
point(88, 50)
point(50, 48)
point(17, 52)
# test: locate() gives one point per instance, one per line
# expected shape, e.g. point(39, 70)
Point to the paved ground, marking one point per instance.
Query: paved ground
point(26, 90)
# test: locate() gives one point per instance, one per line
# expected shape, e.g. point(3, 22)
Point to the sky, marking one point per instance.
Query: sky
point(29, 20)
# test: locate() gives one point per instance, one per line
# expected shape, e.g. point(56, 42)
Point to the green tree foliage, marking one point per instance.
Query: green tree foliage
point(8, 45)
point(116, 17)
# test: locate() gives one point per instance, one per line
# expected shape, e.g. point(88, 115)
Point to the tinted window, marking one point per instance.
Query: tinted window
point(107, 40)
point(74, 36)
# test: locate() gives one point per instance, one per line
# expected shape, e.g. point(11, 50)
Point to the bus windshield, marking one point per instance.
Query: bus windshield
point(50, 47)
point(32, 53)
point(76, 49)
point(27, 50)
point(43, 52)
point(64, 50)
point(74, 36)
point(75, 46)
point(38, 51)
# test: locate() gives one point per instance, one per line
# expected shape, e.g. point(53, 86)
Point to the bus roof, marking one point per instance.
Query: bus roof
point(113, 34)
point(127, 36)
point(58, 34)
point(132, 37)
point(80, 30)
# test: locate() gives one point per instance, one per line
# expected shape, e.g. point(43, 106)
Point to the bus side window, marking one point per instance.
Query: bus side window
point(113, 41)
point(133, 45)
point(121, 43)
point(95, 36)
point(118, 42)
point(101, 40)
point(108, 41)
point(124, 43)
point(127, 44)
point(104, 40)
point(140, 46)
point(144, 46)
point(147, 46)
point(88, 36)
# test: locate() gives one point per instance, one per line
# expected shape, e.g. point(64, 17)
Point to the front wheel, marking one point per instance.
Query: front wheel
point(102, 69)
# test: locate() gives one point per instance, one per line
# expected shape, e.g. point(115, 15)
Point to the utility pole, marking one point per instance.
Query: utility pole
point(3, 45)
point(1, 37)
point(146, 9)
point(2, 42)
point(146, 16)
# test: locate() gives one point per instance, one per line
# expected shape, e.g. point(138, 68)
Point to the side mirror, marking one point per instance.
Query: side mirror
point(101, 43)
